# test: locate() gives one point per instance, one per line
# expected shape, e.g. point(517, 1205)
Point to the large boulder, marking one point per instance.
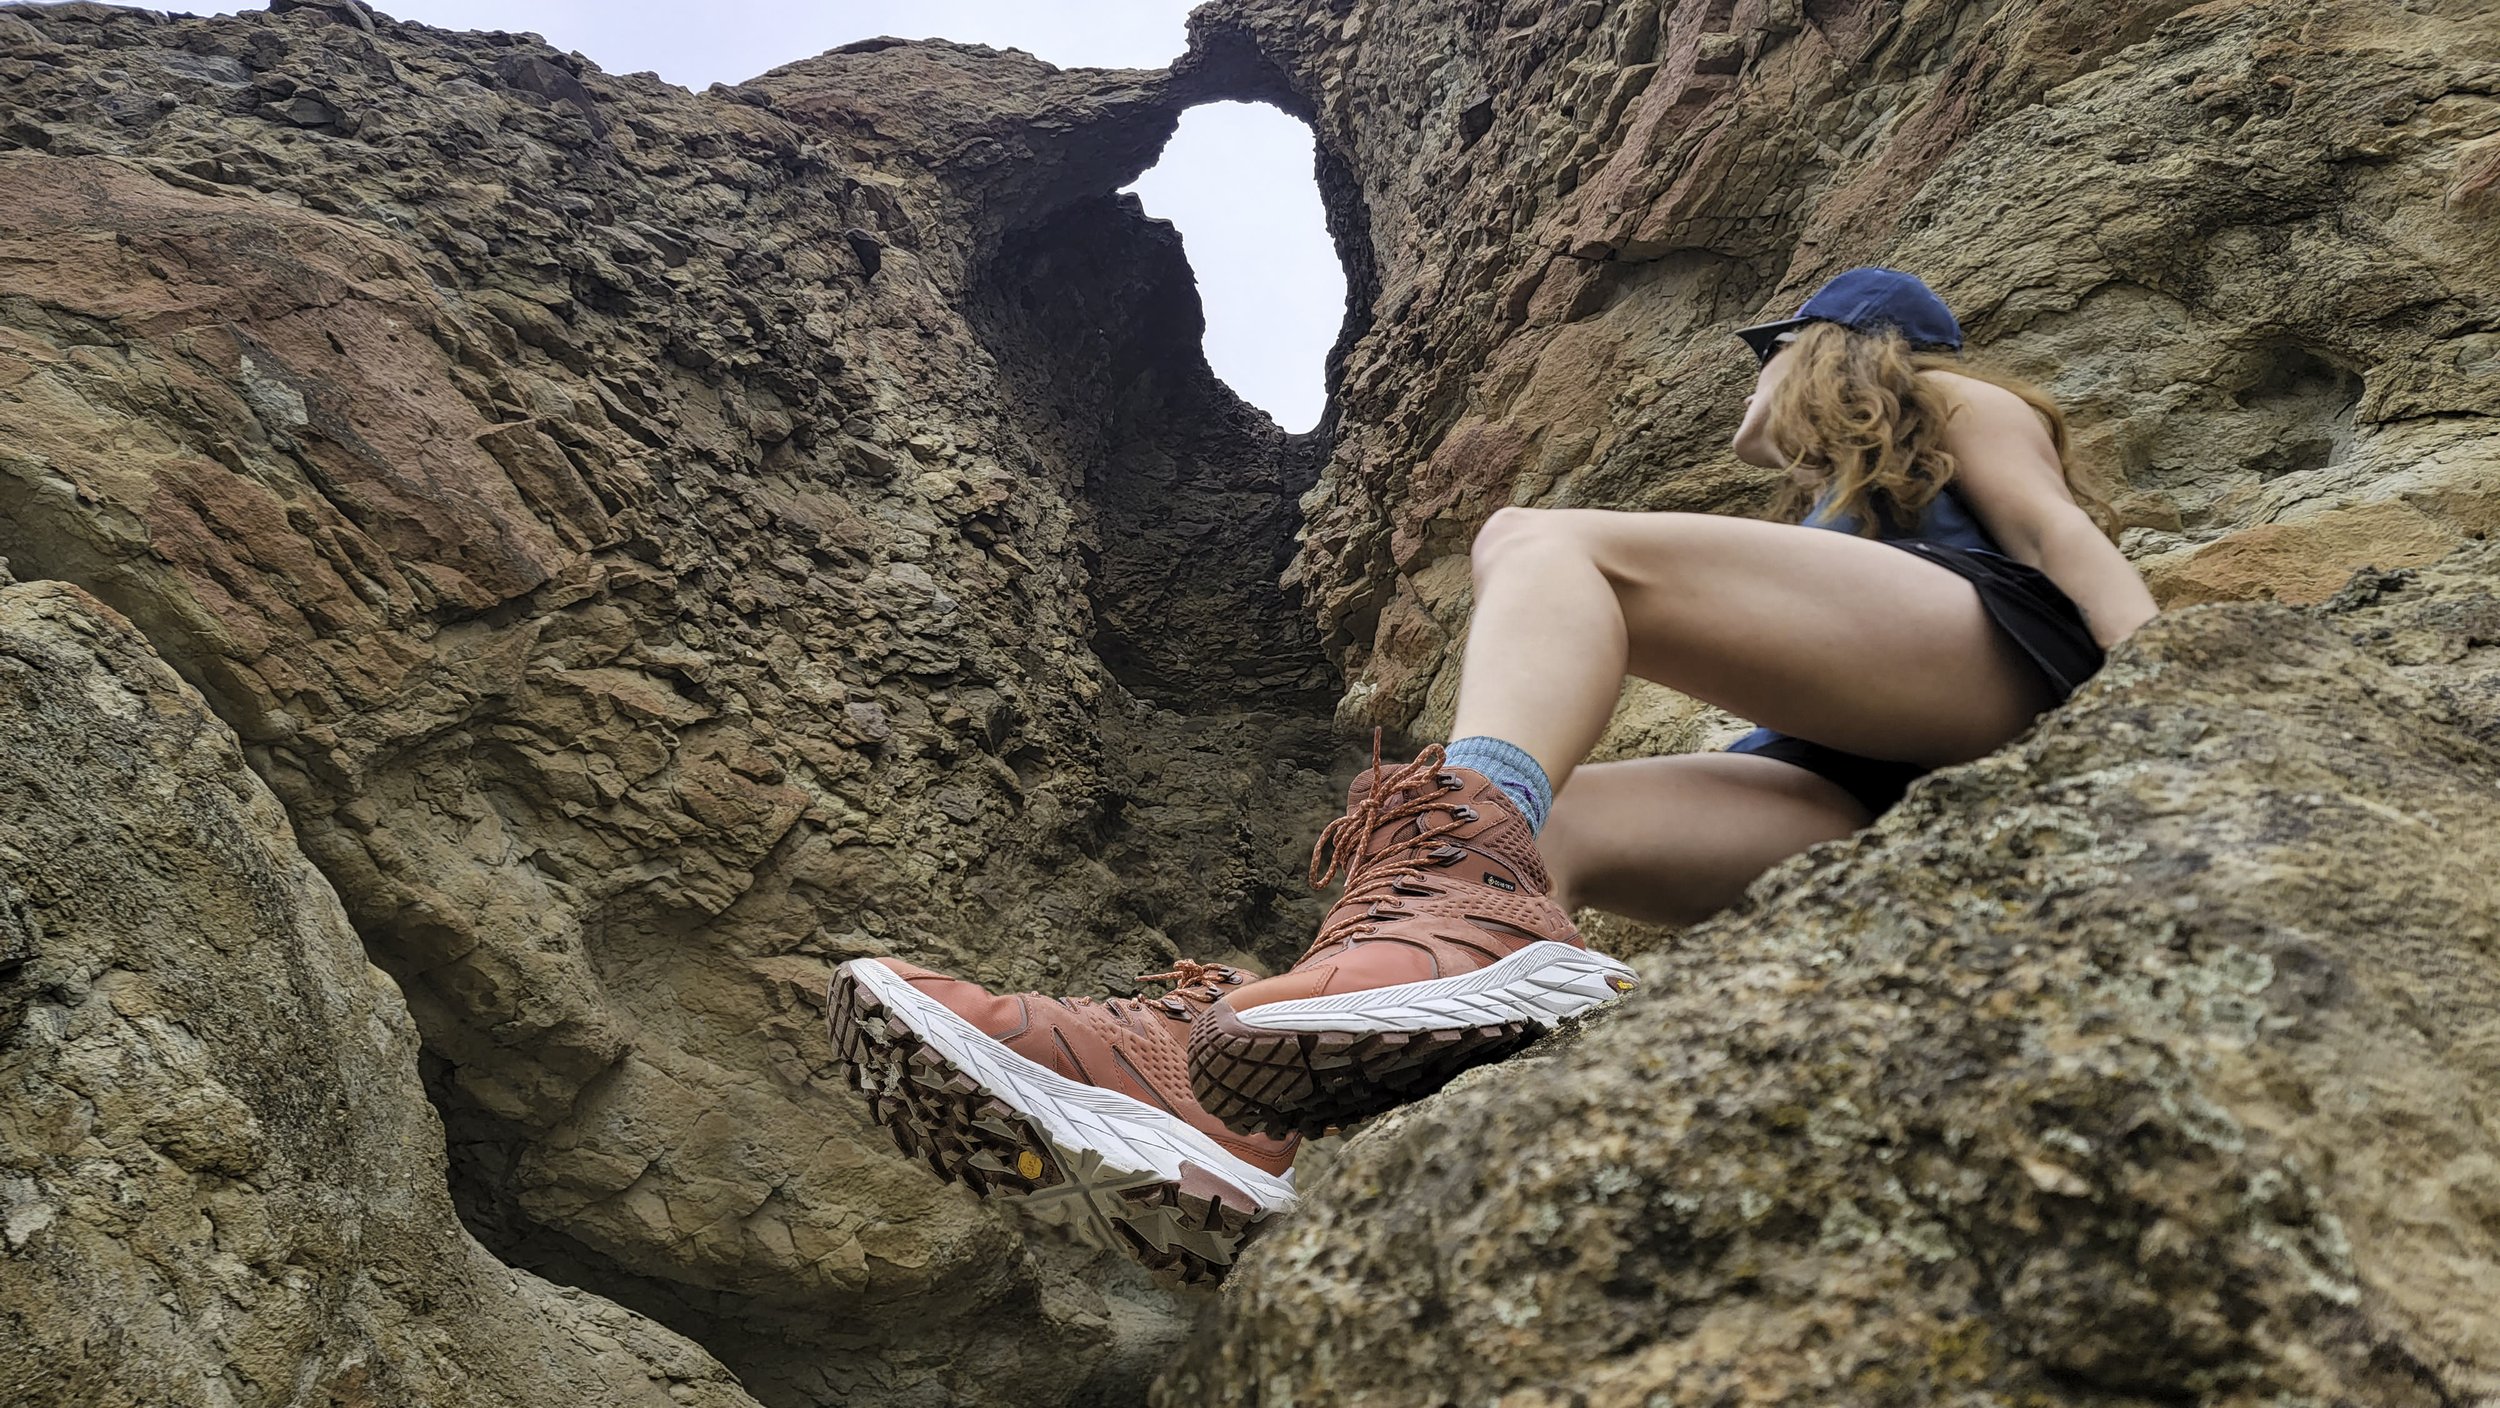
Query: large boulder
point(220, 1180)
point(2150, 1060)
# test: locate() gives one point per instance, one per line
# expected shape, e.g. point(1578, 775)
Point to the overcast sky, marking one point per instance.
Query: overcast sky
point(1236, 179)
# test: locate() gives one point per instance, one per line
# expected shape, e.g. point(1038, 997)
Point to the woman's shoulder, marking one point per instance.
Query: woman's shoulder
point(1965, 389)
point(1974, 404)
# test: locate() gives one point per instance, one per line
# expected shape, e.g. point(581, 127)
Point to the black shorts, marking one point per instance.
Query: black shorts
point(2023, 602)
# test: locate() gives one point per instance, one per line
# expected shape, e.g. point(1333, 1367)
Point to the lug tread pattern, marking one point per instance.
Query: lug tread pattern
point(1284, 1082)
point(1346, 1056)
point(942, 1116)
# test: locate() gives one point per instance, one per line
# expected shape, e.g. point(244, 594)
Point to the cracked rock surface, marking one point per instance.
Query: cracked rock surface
point(2250, 247)
point(220, 1181)
point(657, 546)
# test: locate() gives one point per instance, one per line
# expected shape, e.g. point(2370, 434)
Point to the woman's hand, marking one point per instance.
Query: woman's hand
point(2008, 472)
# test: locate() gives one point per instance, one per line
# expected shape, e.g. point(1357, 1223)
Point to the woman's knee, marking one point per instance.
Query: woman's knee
point(1630, 548)
point(1514, 533)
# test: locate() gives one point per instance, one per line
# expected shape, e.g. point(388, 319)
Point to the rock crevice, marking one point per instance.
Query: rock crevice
point(221, 1181)
point(657, 546)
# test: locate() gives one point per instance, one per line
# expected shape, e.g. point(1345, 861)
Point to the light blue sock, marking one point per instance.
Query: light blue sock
point(1509, 765)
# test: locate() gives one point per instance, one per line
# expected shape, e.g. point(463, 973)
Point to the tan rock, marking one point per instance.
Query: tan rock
point(2304, 561)
point(625, 580)
point(220, 1180)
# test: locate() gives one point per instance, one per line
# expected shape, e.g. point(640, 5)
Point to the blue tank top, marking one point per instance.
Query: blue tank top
point(1946, 520)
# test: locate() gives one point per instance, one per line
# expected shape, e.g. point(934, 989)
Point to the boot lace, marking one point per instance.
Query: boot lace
point(1193, 984)
point(1376, 880)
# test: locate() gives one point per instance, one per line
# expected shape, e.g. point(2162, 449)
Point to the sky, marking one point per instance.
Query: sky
point(1236, 178)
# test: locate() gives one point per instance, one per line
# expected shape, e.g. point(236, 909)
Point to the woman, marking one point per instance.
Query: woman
point(1941, 588)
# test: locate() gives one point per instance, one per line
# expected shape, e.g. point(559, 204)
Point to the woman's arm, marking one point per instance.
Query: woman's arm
point(2008, 473)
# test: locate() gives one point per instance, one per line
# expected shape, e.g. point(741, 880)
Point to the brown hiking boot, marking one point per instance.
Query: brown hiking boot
point(1444, 952)
point(1080, 1105)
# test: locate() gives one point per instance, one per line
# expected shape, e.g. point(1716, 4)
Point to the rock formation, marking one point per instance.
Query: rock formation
point(656, 545)
point(220, 1181)
point(2143, 1062)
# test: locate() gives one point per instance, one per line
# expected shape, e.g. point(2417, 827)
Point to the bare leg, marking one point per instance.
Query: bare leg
point(1675, 840)
point(1851, 643)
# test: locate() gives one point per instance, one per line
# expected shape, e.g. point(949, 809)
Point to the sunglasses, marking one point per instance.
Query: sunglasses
point(1766, 339)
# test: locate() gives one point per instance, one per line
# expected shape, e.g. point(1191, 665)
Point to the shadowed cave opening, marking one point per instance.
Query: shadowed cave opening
point(1103, 332)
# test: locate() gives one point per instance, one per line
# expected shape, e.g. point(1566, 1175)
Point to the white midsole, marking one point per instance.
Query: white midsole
point(1542, 983)
point(1129, 1134)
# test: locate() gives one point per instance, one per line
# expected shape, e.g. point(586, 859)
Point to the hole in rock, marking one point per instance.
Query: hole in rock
point(2303, 401)
point(2281, 372)
point(1237, 181)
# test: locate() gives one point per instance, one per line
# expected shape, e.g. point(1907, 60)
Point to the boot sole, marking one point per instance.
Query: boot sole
point(1116, 1173)
point(1304, 1066)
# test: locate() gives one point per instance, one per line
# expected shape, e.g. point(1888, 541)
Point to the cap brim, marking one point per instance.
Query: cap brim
point(1761, 336)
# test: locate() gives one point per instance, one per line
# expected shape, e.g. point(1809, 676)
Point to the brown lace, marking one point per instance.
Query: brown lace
point(1191, 981)
point(1375, 879)
point(1187, 972)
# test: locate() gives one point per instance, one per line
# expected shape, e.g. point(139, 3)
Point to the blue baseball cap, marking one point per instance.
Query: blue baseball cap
point(1867, 299)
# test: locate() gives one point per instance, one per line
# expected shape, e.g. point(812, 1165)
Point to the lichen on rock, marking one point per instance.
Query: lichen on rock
point(657, 546)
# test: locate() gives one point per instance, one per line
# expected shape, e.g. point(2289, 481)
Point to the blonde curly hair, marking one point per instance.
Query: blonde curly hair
point(1854, 416)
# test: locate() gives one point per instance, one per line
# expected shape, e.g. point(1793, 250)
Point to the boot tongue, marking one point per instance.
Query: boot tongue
point(1390, 833)
point(1361, 787)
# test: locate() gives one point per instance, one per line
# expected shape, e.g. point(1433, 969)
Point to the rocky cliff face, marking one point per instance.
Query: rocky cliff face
point(2137, 1064)
point(2248, 246)
point(221, 1181)
point(655, 546)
